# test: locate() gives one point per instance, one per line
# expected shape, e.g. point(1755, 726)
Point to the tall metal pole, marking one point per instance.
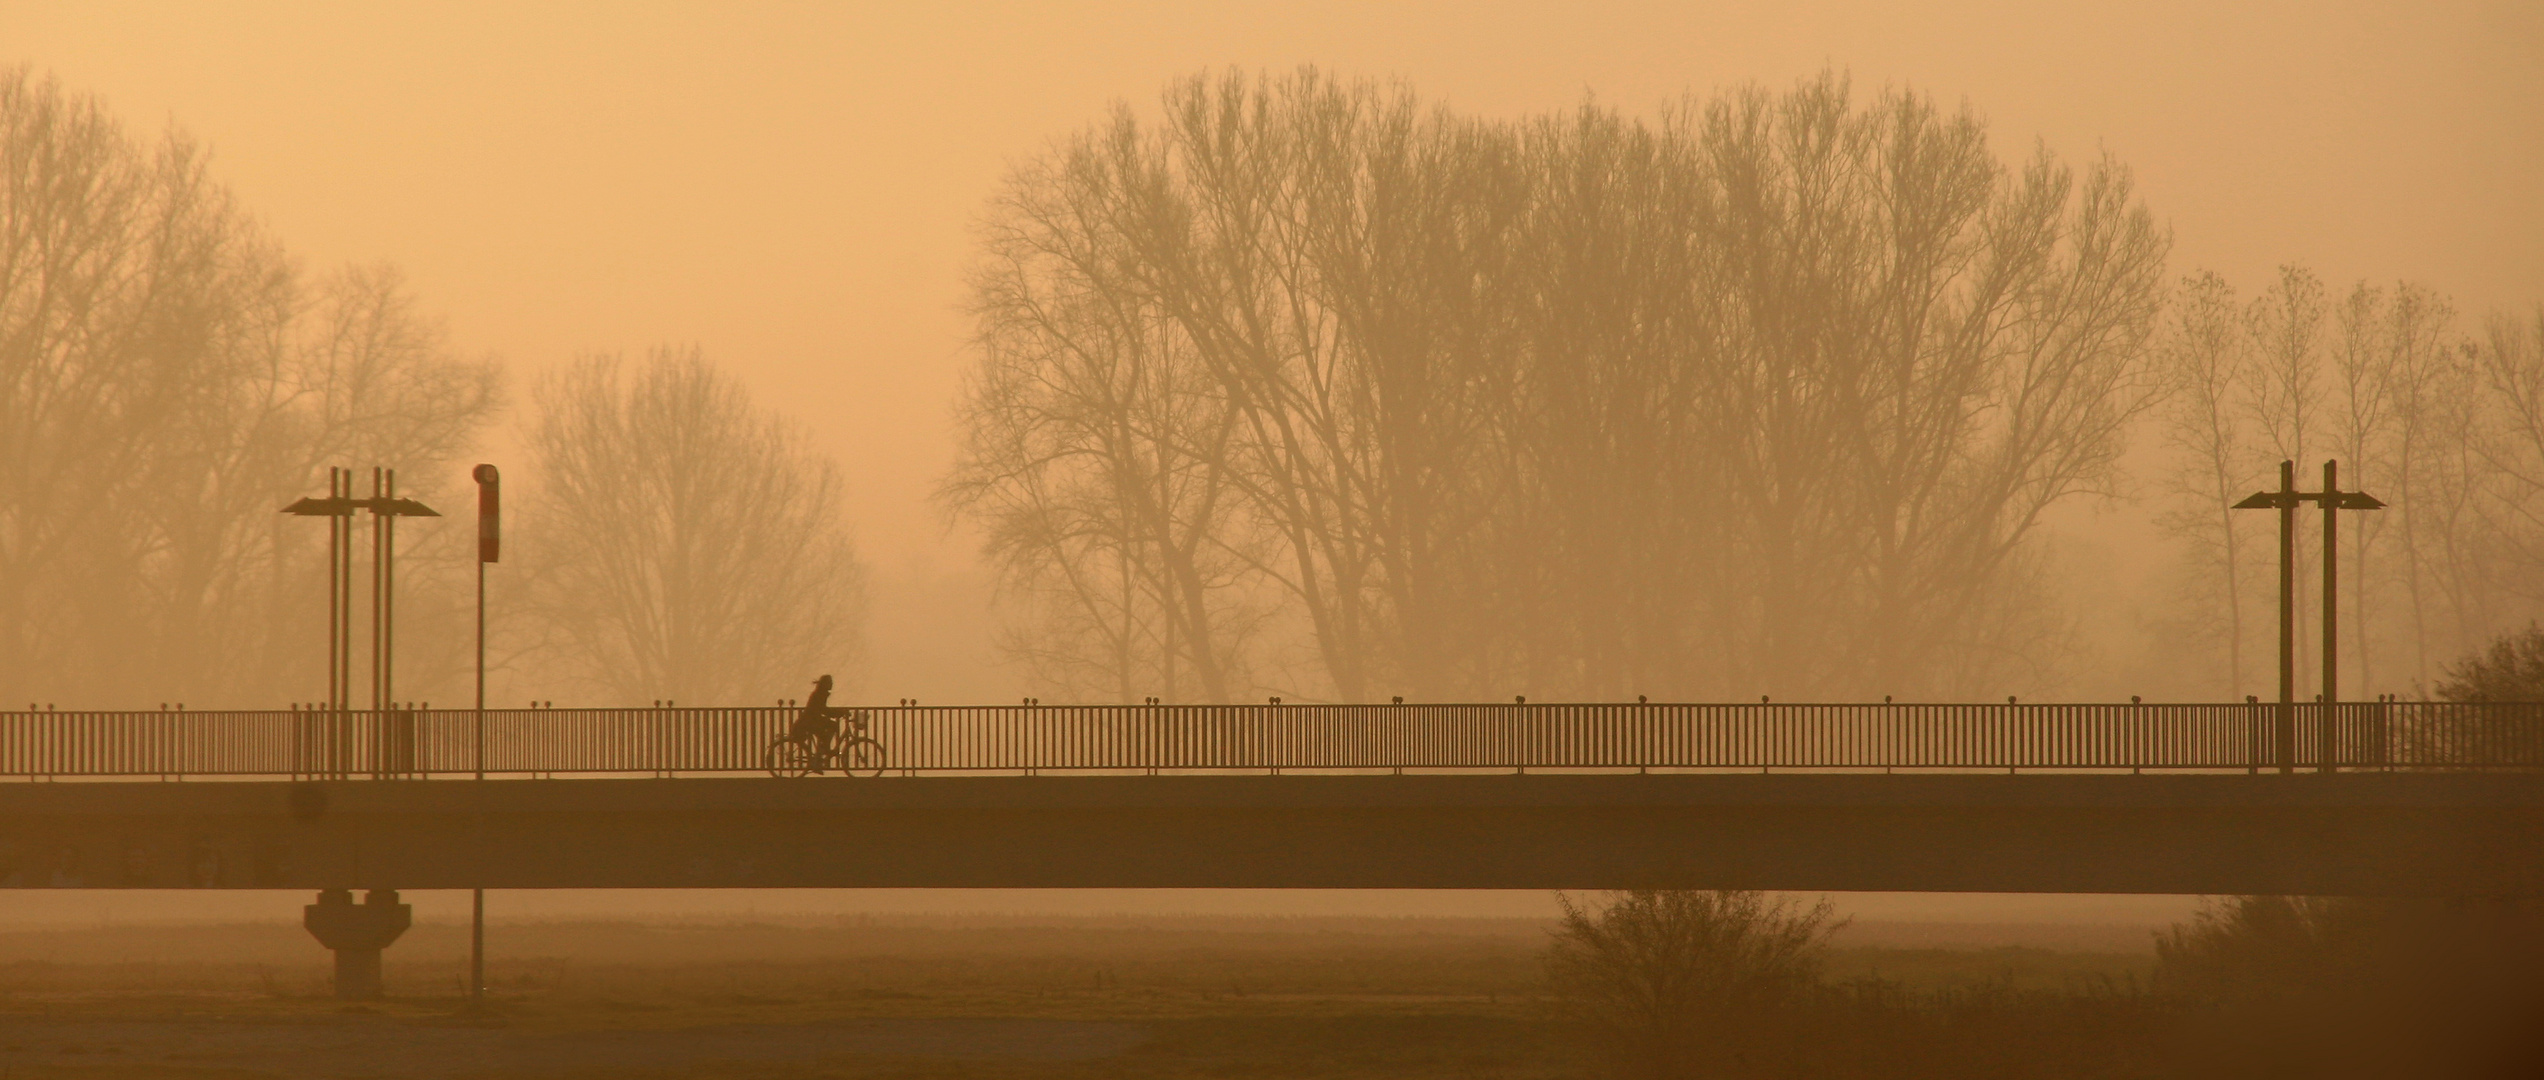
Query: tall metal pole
point(477, 897)
point(2287, 726)
point(480, 755)
point(2285, 500)
point(388, 597)
point(379, 619)
point(2328, 736)
point(489, 549)
point(378, 492)
point(324, 723)
point(342, 752)
point(477, 946)
point(335, 555)
point(335, 724)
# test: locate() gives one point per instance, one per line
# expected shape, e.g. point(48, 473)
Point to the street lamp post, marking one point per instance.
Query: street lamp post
point(339, 507)
point(489, 549)
point(2286, 500)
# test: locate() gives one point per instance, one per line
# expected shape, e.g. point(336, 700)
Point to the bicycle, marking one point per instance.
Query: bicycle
point(852, 751)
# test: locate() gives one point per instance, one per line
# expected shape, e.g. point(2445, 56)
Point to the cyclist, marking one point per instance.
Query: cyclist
point(818, 723)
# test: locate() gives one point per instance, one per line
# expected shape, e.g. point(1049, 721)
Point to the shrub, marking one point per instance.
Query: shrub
point(1680, 983)
point(2511, 668)
point(2356, 986)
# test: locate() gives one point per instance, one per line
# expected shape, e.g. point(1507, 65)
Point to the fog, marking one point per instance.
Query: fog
point(801, 194)
point(77, 908)
point(796, 190)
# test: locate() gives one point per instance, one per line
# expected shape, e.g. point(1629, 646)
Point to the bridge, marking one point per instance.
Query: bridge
point(2393, 798)
point(2380, 797)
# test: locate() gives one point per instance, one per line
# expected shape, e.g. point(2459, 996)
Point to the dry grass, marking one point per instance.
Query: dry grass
point(915, 997)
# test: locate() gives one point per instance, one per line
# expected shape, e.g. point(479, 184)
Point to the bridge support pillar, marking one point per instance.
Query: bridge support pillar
point(357, 933)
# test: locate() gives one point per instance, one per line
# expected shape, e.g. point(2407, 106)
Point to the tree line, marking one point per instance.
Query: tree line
point(2445, 425)
point(1300, 385)
point(1766, 396)
point(170, 377)
point(1303, 384)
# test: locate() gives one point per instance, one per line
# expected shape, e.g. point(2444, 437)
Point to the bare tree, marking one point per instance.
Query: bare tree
point(2435, 424)
point(2363, 418)
point(167, 380)
point(1604, 570)
point(2286, 323)
point(1311, 245)
point(1771, 396)
point(1099, 454)
point(359, 375)
point(2207, 353)
point(2286, 393)
point(2393, 366)
point(2511, 364)
point(1919, 351)
point(2421, 373)
point(688, 545)
point(2388, 357)
point(114, 288)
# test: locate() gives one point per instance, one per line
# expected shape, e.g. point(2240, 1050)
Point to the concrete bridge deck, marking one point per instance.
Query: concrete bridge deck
point(2423, 833)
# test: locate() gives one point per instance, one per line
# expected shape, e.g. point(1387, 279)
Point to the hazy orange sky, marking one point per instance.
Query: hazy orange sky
point(794, 186)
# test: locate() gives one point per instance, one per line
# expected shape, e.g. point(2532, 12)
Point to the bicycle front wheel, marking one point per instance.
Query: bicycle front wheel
point(861, 757)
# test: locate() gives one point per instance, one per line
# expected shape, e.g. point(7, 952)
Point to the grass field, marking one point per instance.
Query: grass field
point(897, 997)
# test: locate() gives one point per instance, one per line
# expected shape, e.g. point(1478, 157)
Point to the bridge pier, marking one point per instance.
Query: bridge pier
point(357, 933)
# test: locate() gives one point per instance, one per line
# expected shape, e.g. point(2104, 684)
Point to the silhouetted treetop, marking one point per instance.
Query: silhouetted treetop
point(688, 544)
point(168, 379)
point(2510, 668)
point(1769, 394)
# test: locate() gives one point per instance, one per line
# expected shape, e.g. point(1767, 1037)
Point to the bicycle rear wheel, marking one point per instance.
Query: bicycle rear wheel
point(791, 757)
point(861, 757)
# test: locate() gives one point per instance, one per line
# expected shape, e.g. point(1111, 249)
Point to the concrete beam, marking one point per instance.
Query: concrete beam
point(2361, 833)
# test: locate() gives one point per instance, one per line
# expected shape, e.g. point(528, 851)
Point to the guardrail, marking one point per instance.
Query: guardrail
point(1276, 738)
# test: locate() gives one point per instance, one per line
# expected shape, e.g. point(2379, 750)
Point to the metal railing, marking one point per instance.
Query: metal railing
point(1276, 738)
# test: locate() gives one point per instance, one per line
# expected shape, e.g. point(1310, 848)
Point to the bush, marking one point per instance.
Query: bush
point(1675, 983)
point(2511, 668)
point(2361, 986)
point(2251, 948)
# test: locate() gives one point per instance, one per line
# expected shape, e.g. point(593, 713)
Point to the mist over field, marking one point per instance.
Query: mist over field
point(1141, 353)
